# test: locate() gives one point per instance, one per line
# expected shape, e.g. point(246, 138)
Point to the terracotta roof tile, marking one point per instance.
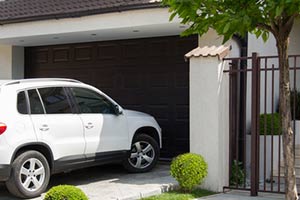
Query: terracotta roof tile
point(12, 11)
point(213, 51)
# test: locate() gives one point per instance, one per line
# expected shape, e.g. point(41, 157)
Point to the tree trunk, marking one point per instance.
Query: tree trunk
point(285, 113)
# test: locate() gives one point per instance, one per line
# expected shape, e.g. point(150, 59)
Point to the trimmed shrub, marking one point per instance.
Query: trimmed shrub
point(269, 118)
point(189, 170)
point(65, 192)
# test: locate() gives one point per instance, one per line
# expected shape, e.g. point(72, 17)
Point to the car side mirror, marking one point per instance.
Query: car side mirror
point(118, 110)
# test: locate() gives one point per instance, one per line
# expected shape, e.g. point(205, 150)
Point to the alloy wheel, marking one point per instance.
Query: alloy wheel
point(32, 174)
point(142, 154)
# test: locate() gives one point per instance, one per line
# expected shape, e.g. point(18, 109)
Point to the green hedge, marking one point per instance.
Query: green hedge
point(266, 120)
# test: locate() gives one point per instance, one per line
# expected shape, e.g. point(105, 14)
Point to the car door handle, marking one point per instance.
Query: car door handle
point(89, 126)
point(44, 127)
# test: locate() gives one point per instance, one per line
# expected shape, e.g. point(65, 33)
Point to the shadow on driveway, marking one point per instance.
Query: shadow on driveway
point(111, 182)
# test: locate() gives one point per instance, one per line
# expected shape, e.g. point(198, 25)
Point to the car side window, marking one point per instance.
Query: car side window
point(89, 101)
point(36, 106)
point(55, 100)
point(22, 103)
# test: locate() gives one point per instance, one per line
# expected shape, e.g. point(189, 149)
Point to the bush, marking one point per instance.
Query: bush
point(269, 118)
point(237, 174)
point(65, 192)
point(297, 103)
point(189, 170)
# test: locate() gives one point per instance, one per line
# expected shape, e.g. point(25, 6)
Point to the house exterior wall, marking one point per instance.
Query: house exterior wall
point(11, 62)
point(211, 38)
point(269, 48)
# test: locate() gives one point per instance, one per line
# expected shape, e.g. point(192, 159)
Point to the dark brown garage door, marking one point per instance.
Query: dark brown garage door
point(148, 75)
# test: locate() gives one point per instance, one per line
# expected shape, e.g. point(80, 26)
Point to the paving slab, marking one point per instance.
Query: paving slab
point(111, 182)
point(244, 195)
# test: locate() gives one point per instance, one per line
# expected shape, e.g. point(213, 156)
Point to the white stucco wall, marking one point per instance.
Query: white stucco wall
point(209, 132)
point(269, 48)
point(211, 38)
point(11, 62)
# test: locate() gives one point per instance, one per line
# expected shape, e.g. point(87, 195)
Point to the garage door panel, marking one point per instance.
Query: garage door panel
point(159, 111)
point(83, 53)
point(108, 52)
point(158, 49)
point(183, 46)
point(158, 80)
point(132, 50)
point(148, 75)
point(61, 54)
point(182, 145)
point(103, 78)
point(182, 80)
point(182, 113)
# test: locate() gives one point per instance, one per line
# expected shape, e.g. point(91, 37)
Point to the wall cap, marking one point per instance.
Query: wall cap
point(206, 51)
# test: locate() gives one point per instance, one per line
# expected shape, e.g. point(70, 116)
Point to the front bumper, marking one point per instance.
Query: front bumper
point(4, 172)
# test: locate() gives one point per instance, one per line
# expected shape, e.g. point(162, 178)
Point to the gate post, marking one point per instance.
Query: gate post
point(209, 99)
point(255, 111)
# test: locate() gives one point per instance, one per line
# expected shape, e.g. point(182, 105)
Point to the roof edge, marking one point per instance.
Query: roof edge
point(82, 13)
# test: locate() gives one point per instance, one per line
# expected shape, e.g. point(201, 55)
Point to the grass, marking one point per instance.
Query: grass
point(178, 195)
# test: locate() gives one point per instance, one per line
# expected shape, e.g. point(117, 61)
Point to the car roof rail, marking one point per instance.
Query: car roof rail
point(13, 82)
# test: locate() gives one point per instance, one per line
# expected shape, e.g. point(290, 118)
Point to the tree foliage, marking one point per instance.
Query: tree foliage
point(229, 17)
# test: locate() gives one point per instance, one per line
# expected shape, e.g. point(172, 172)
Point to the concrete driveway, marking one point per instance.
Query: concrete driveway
point(111, 182)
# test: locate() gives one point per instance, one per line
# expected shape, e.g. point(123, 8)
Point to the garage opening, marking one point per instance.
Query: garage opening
point(148, 75)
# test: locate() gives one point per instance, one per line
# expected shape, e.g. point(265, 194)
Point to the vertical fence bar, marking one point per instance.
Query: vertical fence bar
point(294, 107)
point(265, 122)
point(236, 114)
point(244, 110)
point(254, 125)
point(257, 121)
point(230, 123)
point(272, 125)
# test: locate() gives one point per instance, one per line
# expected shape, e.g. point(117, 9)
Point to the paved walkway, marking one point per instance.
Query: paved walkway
point(238, 195)
point(111, 182)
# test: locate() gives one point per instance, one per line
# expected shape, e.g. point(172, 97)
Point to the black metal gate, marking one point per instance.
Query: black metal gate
point(256, 156)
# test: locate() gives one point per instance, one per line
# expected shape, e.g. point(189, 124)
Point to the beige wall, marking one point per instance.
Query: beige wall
point(11, 62)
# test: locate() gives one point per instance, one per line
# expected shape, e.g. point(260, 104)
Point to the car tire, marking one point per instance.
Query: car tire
point(29, 176)
point(143, 155)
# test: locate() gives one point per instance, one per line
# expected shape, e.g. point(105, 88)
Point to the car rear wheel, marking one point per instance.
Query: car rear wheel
point(29, 176)
point(143, 155)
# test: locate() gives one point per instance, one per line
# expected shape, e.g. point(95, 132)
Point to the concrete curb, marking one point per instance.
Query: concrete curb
point(164, 188)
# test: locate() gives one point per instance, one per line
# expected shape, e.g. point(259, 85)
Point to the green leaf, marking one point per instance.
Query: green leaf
point(226, 28)
point(279, 10)
point(265, 36)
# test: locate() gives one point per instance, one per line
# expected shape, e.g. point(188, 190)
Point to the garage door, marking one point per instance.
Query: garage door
point(148, 75)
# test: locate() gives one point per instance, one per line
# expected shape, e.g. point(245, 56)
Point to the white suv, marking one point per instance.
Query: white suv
point(49, 126)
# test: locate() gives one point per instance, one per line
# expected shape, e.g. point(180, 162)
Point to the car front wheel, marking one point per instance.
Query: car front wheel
point(143, 155)
point(29, 176)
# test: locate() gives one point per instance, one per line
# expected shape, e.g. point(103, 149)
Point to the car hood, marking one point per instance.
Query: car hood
point(132, 113)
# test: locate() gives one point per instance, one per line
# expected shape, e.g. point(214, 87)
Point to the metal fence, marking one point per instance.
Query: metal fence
point(256, 155)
